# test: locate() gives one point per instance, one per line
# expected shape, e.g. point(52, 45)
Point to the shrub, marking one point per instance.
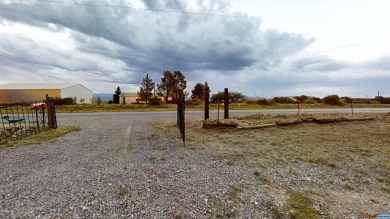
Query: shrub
point(64, 101)
point(194, 102)
point(155, 101)
point(346, 99)
point(311, 101)
point(264, 102)
point(250, 101)
point(333, 100)
point(302, 98)
point(383, 100)
point(317, 99)
point(283, 100)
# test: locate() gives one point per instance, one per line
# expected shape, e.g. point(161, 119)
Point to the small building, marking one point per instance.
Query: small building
point(129, 98)
point(14, 93)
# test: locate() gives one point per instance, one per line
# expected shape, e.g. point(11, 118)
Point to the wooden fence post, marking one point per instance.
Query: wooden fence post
point(226, 105)
point(206, 103)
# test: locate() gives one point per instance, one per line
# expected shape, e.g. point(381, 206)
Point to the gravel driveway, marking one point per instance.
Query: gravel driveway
point(118, 168)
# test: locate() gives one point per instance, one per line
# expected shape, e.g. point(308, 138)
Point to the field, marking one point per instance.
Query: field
point(338, 170)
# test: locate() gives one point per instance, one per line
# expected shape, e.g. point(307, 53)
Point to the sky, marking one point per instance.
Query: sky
point(261, 48)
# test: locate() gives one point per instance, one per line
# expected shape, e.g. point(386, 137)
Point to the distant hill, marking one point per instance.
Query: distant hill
point(102, 96)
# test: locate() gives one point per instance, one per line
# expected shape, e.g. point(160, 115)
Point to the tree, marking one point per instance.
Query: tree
point(233, 96)
point(99, 101)
point(302, 98)
point(116, 95)
point(198, 91)
point(179, 85)
point(164, 88)
point(333, 100)
point(146, 89)
point(172, 85)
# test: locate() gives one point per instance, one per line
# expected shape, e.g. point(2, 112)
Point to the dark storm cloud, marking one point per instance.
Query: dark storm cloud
point(152, 41)
point(117, 45)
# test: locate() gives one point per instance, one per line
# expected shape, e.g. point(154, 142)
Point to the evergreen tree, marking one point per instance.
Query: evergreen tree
point(116, 95)
point(146, 89)
point(164, 88)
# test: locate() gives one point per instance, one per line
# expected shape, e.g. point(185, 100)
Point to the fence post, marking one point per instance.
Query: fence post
point(226, 105)
point(206, 103)
point(181, 106)
point(49, 115)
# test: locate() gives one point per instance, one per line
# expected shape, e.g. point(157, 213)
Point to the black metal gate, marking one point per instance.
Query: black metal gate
point(181, 108)
point(26, 118)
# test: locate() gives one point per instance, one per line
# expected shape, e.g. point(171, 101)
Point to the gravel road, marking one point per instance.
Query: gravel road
point(117, 168)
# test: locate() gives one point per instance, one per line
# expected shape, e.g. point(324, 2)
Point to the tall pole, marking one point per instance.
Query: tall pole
point(154, 89)
point(226, 105)
point(206, 103)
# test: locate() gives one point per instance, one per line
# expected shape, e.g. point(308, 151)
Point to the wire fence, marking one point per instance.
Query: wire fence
point(27, 118)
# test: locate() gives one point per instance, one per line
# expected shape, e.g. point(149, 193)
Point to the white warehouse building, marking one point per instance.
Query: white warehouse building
point(13, 93)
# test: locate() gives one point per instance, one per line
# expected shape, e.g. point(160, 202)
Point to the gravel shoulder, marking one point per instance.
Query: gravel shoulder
point(120, 168)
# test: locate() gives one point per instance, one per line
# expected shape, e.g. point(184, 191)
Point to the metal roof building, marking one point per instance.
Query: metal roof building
point(13, 93)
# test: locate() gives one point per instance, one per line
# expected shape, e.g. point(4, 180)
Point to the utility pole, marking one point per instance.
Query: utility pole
point(154, 89)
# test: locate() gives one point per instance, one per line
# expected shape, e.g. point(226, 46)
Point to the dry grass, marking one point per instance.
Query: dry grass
point(347, 162)
point(87, 108)
point(42, 137)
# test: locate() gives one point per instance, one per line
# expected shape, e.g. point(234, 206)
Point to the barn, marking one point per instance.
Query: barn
point(14, 93)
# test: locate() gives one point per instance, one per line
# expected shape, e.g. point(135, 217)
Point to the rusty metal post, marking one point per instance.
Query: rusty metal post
point(49, 115)
point(226, 105)
point(206, 103)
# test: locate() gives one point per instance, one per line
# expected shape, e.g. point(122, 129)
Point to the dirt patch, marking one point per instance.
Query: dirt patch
point(342, 168)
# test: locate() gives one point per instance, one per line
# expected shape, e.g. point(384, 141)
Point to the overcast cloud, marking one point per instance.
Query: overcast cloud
point(114, 44)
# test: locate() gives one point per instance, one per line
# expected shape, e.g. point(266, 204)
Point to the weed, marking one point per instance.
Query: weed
point(276, 212)
point(332, 165)
point(347, 185)
point(300, 205)
point(386, 189)
point(179, 215)
point(123, 191)
point(234, 193)
point(261, 177)
point(230, 163)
